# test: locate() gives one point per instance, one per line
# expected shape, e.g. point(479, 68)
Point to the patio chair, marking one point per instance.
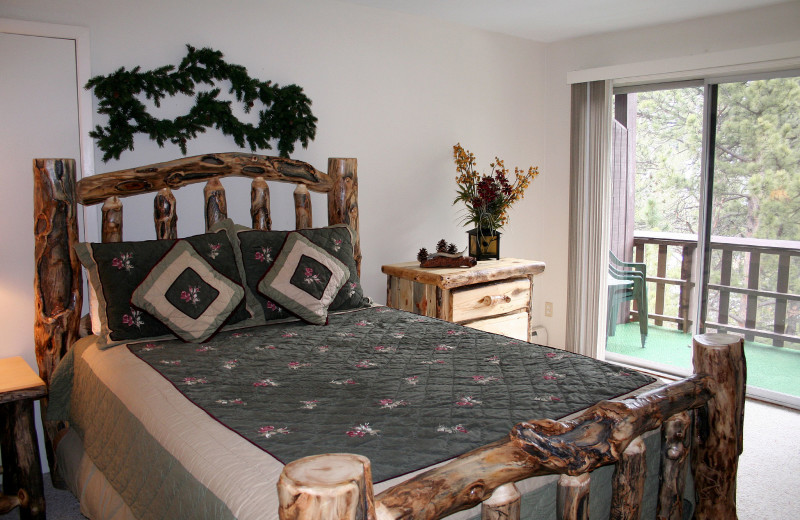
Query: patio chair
point(627, 281)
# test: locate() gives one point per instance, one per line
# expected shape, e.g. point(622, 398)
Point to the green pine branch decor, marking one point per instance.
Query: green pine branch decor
point(286, 116)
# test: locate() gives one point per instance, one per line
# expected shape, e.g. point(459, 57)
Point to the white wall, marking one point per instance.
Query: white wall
point(395, 91)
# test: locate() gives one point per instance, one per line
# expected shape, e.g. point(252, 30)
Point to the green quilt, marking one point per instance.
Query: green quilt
point(404, 390)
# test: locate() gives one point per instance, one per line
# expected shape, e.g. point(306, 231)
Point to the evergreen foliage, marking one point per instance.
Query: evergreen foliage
point(286, 116)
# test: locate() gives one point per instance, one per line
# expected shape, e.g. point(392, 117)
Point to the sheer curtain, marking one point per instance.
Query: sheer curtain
point(590, 193)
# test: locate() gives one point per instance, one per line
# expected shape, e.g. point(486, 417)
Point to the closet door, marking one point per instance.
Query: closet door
point(38, 118)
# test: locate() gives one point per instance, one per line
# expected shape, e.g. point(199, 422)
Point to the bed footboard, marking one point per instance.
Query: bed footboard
point(607, 433)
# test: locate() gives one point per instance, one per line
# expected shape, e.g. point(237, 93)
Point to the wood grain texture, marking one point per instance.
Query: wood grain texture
point(57, 274)
point(343, 200)
point(112, 220)
point(627, 484)
point(675, 443)
point(216, 203)
point(719, 425)
point(9, 502)
point(20, 452)
point(504, 504)
point(165, 215)
point(329, 486)
point(595, 438)
point(302, 208)
point(490, 299)
point(18, 381)
point(260, 205)
point(572, 497)
point(449, 278)
point(200, 168)
point(515, 325)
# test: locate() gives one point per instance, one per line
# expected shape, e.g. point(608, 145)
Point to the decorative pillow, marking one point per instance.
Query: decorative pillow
point(115, 270)
point(304, 279)
point(188, 295)
point(256, 251)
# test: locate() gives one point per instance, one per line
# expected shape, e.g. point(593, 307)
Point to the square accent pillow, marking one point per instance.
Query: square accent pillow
point(304, 279)
point(115, 270)
point(256, 251)
point(188, 295)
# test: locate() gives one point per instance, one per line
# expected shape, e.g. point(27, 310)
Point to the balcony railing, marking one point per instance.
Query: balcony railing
point(734, 305)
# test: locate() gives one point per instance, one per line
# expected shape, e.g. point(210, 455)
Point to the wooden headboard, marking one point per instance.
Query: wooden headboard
point(58, 280)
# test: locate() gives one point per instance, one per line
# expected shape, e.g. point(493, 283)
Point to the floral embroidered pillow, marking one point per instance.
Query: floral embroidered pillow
point(188, 295)
point(116, 269)
point(304, 279)
point(257, 251)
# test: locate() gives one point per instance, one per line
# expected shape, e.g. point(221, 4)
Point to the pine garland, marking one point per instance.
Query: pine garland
point(286, 115)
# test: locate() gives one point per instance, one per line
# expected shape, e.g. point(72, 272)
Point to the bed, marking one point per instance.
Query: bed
point(334, 398)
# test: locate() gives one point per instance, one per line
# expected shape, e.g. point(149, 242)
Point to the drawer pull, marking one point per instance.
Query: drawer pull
point(494, 300)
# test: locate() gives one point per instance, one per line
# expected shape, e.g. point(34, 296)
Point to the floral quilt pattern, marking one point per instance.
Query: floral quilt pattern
point(382, 383)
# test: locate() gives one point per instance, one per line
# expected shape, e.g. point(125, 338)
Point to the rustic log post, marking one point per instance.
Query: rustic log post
point(504, 504)
point(112, 220)
point(675, 443)
point(573, 497)
point(343, 199)
point(57, 278)
point(259, 204)
point(216, 204)
point(302, 207)
point(628, 482)
point(165, 215)
point(719, 427)
point(22, 468)
point(335, 486)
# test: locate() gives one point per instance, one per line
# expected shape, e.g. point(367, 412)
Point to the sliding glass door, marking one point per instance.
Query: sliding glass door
point(753, 283)
point(706, 208)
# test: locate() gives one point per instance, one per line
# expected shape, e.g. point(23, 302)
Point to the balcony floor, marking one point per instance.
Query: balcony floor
point(773, 368)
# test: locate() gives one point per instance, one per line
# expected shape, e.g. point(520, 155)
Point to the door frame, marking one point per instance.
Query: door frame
point(81, 39)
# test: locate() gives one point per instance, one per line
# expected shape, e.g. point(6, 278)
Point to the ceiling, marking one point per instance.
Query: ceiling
point(554, 20)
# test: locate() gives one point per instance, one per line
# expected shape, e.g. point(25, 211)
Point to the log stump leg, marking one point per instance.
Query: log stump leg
point(719, 428)
point(675, 443)
point(504, 504)
point(335, 486)
point(22, 470)
point(573, 497)
point(628, 482)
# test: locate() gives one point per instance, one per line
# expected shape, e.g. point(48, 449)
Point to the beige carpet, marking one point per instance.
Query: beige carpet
point(768, 469)
point(770, 464)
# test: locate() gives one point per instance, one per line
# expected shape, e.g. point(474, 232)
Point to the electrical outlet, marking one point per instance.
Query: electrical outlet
point(548, 309)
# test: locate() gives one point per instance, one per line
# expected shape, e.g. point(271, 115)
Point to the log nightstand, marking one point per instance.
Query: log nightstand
point(494, 296)
point(22, 470)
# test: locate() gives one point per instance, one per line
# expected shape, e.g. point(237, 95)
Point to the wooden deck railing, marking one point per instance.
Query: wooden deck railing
point(753, 294)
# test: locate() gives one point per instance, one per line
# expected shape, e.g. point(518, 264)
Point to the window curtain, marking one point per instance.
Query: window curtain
point(590, 197)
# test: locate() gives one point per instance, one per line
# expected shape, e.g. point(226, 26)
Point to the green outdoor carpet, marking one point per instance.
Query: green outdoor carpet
point(772, 368)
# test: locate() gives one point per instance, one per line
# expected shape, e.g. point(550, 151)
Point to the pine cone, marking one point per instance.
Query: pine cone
point(422, 255)
point(452, 249)
point(441, 246)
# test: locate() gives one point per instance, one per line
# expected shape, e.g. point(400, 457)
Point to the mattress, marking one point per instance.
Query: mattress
point(148, 432)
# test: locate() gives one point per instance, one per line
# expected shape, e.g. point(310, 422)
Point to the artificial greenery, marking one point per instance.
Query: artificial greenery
point(286, 115)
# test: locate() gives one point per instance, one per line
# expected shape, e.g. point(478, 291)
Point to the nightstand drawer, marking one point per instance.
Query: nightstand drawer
point(490, 299)
point(512, 325)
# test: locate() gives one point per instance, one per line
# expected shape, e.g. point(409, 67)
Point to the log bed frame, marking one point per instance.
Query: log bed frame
point(700, 417)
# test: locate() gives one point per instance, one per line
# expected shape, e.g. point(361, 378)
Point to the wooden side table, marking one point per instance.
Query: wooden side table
point(495, 295)
point(22, 470)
